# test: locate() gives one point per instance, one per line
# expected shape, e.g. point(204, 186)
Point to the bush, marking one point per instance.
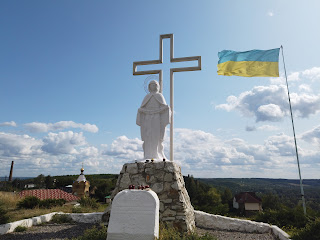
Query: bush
point(285, 217)
point(310, 232)
point(49, 203)
point(61, 218)
point(94, 234)
point(20, 229)
point(89, 202)
point(29, 202)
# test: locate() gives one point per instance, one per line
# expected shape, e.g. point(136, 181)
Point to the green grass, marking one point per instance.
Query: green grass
point(20, 229)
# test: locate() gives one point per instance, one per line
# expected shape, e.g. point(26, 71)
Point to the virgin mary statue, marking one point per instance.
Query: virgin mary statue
point(153, 117)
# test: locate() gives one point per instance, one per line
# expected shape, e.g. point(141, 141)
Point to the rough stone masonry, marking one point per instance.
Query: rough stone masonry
point(166, 180)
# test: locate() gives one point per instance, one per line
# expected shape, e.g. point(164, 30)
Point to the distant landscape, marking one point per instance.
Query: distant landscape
point(288, 190)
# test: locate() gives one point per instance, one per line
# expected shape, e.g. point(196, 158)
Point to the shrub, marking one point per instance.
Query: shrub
point(61, 218)
point(29, 202)
point(89, 202)
point(311, 231)
point(49, 203)
point(94, 234)
point(20, 229)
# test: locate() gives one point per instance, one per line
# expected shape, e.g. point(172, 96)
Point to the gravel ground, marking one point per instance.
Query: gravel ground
point(224, 235)
point(67, 231)
point(49, 231)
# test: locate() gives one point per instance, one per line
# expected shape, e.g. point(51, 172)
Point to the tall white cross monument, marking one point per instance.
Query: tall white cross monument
point(172, 70)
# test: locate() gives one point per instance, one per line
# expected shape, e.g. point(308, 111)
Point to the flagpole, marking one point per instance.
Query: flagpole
point(294, 136)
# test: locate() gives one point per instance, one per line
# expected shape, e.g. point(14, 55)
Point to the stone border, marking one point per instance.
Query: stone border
point(203, 220)
point(210, 221)
point(94, 217)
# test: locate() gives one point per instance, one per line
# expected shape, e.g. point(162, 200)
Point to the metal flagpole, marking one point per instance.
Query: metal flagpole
point(294, 136)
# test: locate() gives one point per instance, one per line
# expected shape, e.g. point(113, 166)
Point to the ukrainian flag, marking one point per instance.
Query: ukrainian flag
point(254, 63)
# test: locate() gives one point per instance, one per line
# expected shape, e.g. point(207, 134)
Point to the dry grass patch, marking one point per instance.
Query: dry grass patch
point(9, 199)
point(18, 214)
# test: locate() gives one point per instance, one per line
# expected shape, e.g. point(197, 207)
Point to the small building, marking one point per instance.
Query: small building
point(81, 186)
point(108, 199)
point(247, 203)
point(29, 185)
point(43, 194)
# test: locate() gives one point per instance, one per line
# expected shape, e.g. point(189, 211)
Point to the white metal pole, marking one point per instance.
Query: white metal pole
point(171, 106)
point(295, 141)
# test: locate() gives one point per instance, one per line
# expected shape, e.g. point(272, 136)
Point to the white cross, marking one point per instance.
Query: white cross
point(172, 70)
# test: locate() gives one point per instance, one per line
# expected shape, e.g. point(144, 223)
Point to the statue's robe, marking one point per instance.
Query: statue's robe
point(153, 117)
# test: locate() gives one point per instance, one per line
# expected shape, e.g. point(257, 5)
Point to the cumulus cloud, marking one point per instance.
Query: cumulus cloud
point(270, 13)
point(124, 149)
point(63, 142)
point(305, 88)
point(312, 74)
point(58, 126)
point(251, 128)
point(8, 124)
point(15, 145)
point(312, 136)
point(270, 103)
point(262, 128)
point(198, 152)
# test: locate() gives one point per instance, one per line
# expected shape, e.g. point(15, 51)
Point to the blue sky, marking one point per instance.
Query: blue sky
point(68, 96)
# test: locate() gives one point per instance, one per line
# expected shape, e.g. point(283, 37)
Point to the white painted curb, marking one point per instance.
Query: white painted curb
point(29, 222)
point(211, 221)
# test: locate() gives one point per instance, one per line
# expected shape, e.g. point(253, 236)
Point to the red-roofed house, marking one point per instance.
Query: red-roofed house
point(49, 194)
point(247, 202)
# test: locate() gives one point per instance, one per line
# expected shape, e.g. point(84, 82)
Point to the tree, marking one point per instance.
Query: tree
point(48, 182)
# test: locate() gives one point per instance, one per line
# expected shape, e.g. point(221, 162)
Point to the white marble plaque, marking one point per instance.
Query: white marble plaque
point(134, 216)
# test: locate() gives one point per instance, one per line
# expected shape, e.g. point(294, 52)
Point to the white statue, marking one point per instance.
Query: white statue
point(153, 117)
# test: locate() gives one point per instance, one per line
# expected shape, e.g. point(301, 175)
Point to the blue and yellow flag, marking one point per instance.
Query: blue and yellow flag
point(254, 63)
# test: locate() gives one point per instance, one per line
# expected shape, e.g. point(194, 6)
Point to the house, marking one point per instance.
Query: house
point(49, 194)
point(247, 203)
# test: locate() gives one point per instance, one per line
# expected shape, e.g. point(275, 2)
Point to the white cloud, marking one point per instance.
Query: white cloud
point(312, 136)
point(270, 103)
point(305, 88)
point(261, 128)
point(8, 124)
point(268, 128)
point(124, 148)
point(270, 13)
point(63, 142)
point(312, 73)
point(251, 128)
point(16, 145)
point(199, 153)
point(269, 112)
point(46, 127)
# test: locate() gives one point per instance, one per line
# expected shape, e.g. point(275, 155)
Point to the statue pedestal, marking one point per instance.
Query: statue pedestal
point(165, 179)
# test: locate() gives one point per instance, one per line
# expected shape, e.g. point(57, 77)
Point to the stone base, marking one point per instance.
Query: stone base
point(166, 180)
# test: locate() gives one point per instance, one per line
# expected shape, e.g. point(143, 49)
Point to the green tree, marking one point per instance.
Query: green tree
point(48, 181)
point(39, 181)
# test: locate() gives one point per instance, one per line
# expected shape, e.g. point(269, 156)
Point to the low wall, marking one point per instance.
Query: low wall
point(29, 222)
point(217, 222)
point(202, 219)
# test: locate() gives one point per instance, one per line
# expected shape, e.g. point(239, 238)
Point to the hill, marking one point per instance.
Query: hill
point(288, 190)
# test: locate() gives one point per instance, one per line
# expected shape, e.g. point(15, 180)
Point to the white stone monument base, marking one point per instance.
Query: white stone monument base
point(166, 180)
point(134, 215)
